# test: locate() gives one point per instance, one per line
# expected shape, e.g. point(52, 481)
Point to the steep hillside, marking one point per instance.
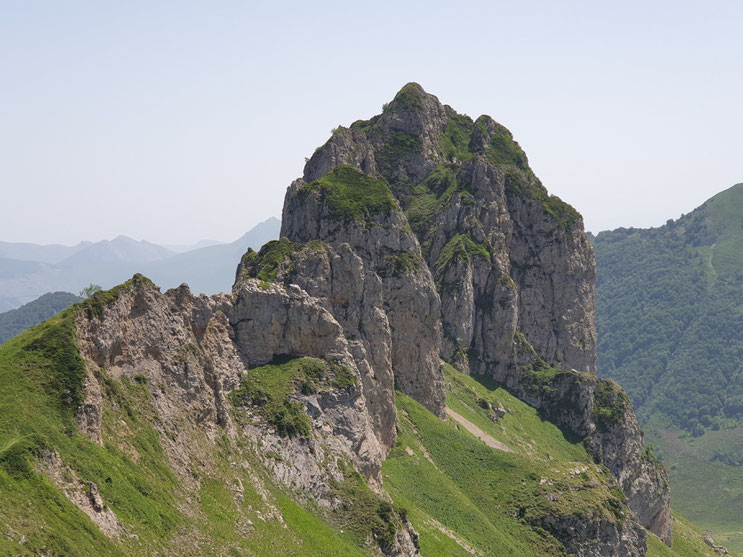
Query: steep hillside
point(511, 264)
point(466, 498)
point(325, 406)
point(14, 321)
point(669, 318)
point(148, 484)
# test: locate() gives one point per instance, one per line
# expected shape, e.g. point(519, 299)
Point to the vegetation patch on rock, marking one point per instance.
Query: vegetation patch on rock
point(398, 146)
point(95, 304)
point(403, 263)
point(432, 196)
point(460, 248)
point(264, 264)
point(270, 388)
point(564, 213)
point(352, 195)
point(363, 512)
point(610, 404)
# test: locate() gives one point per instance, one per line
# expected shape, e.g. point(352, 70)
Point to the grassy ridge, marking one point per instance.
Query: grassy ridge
point(36, 419)
point(458, 493)
point(141, 490)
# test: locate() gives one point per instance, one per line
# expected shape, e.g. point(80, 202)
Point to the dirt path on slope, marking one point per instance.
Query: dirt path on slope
point(477, 432)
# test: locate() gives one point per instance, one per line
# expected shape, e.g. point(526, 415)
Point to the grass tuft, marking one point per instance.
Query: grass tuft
point(351, 195)
point(264, 264)
point(269, 389)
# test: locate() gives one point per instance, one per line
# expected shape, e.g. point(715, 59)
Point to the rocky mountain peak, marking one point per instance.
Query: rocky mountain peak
point(418, 114)
point(416, 242)
point(439, 219)
point(473, 203)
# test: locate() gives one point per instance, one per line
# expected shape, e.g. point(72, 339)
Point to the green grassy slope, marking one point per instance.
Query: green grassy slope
point(669, 316)
point(710, 493)
point(36, 419)
point(17, 320)
point(463, 496)
point(688, 541)
point(460, 494)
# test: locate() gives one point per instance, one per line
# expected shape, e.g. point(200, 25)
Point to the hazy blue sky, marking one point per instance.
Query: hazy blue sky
point(176, 121)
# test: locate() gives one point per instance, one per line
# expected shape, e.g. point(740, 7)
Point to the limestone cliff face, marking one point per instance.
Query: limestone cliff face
point(193, 351)
point(414, 237)
point(505, 254)
point(371, 275)
point(512, 266)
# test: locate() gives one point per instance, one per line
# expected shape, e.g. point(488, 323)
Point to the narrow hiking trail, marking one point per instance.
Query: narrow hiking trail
point(476, 431)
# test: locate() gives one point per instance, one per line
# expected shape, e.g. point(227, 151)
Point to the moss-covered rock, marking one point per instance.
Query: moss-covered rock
point(460, 248)
point(352, 195)
point(610, 405)
point(270, 389)
point(264, 264)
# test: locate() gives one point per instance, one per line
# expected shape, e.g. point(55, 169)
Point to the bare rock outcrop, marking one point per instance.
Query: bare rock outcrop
point(474, 205)
point(596, 538)
point(511, 263)
point(193, 353)
point(367, 235)
point(598, 411)
point(271, 321)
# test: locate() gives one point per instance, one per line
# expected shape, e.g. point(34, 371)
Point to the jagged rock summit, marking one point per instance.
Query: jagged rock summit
point(415, 241)
point(432, 218)
point(485, 225)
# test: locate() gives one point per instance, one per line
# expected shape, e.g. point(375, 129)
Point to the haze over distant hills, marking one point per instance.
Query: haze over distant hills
point(121, 249)
point(51, 253)
point(182, 248)
point(210, 269)
point(28, 270)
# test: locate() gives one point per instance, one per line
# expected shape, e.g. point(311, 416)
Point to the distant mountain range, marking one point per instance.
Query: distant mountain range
point(29, 270)
point(210, 269)
point(182, 248)
point(52, 253)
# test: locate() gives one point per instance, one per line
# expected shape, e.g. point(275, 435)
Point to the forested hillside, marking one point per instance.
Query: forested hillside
point(670, 314)
point(670, 322)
